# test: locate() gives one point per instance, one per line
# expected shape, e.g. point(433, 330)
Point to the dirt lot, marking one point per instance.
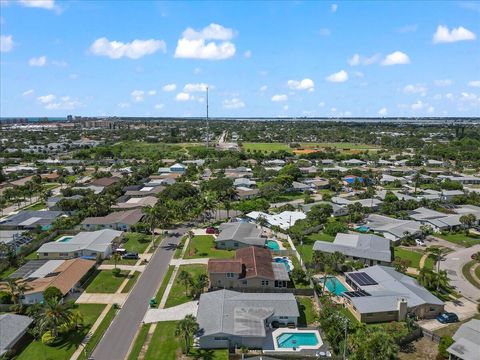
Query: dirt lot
point(423, 349)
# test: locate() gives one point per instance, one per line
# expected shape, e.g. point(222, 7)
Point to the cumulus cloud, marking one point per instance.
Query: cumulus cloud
point(198, 87)
point(334, 8)
point(340, 76)
point(38, 61)
point(396, 58)
point(305, 84)
point(234, 103)
point(169, 87)
point(183, 96)
point(28, 92)
point(152, 92)
point(124, 105)
point(419, 105)
point(474, 83)
point(357, 59)
point(133, 50)
point(159, 106)
point(42, 4)
point(210, 43)
point(444, 35)
point(6, 43)
point(443, 82)
point(137, 95)
point(263, 88)
point(383, 112)
point(247, 54)
point(415, 89)
point(45, 99)
point(279, 98)
point(64, 103)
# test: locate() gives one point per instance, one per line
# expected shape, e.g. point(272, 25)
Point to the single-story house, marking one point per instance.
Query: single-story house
point(244, 182)
point(243, 193)
point(15, 239)
point(239, 234)
point(12, 329)
point(52, 202)
point(393, 229)
point(175, 168)
point(135, 203)
point(338, 210)
point(252, 268)
point(467, 342)
point(464, 179)
point(141, 191)
point(335, 168)
point(317, 183)
point(448, 195)
point(381, 294)
point(92, 244)
point(387, 179)
point(283, 220)
point(118, 220)
point(368, 248)
point(30, 219)
point(105, 181)
point(230, 319)
point(65, 275)
point(299, 187)
point(372, 203)
point(437, 220)
point(353, 162)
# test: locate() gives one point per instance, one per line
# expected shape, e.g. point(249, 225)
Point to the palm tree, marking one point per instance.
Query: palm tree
point(16, 289)
point(151, 218)
point(186, 279)
point(116, 258)
point(337, 259)
point(53, 314)
point(187, 328)
point(416, 179)
point(437, 253)
point(467, 221)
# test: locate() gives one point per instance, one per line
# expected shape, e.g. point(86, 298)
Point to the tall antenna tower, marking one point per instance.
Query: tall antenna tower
point(208, 130)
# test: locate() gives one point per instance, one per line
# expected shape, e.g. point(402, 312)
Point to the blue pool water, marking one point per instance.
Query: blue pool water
point(334, 286)
point(363, 229)
point(285, 262)
point(66, 239)
point(273, 245)
point(294, 340)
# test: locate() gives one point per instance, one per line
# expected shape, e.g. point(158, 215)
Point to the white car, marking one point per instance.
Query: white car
point(420, 242)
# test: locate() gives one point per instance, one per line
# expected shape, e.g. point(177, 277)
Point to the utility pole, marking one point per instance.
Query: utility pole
point(208, 130)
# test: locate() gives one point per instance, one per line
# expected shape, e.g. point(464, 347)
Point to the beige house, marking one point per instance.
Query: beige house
point(252, 268)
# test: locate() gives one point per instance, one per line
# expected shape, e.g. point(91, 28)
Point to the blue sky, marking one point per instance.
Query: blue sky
point(145, 58)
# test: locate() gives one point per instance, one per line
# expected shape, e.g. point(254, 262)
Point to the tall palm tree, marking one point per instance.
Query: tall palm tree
point(151, 218)
point(187, 328)
point(16, 289)
point(116, 258)
point(437, 253)
point(185, 278)
point(416, 180)
point(53, 314)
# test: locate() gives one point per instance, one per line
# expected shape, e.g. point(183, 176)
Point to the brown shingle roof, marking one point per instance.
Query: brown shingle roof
point(105, 181)
point(224, 266)
point(129, 217)
point(257, 261)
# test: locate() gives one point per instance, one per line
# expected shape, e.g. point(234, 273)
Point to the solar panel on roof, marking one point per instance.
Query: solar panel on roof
point(359, 293)
point(362, 279)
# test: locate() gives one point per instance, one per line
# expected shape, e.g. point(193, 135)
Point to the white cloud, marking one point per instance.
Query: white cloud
point(285, 107)
point(357, 59)
point(137, 95)
point(443, 82)
point(6, 43)
point(234, 103)
point(133, 50)
point(430, 109)
point(383, 111)
point(418, 105)
point(340, 76)
point(124, 105)
point(152, 92)
point(169, 87)
point(321, 104)
point(43, 4)
point(305, 84)
point(334, 8)
point(64, 103)
point(396, 58)
point(444, 35)
point(45, 99)
point(247, 54)
point(468, 96)
point(198, 87)
point(474, 83)
point(194, 45)
point(263, 88)
point(183, 96)
point(39, 61)
point(279, 98)
point(28, 92)
point(415, 89)
point(159, 106)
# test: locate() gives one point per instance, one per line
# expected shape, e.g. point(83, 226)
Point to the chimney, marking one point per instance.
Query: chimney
point(402, 309)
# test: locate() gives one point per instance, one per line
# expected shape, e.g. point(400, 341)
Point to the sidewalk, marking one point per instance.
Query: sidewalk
point(178, 262)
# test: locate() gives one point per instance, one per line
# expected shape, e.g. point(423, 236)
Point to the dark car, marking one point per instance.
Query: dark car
point(211, 230)
point(447, 317)
point(133, 256)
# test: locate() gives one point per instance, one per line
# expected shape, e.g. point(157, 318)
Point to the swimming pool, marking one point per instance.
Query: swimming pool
point(334, 285)
point(65, 239)
point(272, 245)
point(363, 229)
point(284, 260)
point(297, 340)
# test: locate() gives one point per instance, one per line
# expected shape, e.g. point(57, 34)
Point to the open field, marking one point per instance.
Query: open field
point(146, 150)
point(271, 147)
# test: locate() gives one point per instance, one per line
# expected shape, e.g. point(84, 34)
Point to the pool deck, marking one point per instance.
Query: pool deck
point(277, 332)
point(270, 345)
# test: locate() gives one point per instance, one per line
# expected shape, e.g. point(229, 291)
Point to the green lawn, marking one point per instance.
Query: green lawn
point(289, 196)
point(32, 256)
point(105, 282)
point(177, 294)
point(306, 250)
point(139, 341)
point(136, 242)
point(270, 147)
point(98, 334)
point(266, 147)
point(7, 272)
point(36, 206)
point(466, 273)
point(131, 281)
point(414, 257)
point(203, 246)
point(166, 346)
point(64, 349)
point(120, 262)
point(307, 312)
point(178, 250)
point(450, 329)
point(461, 239)
point(164, 284)
point(50, 186)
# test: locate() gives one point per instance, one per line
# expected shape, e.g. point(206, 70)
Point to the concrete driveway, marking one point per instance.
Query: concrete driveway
point(464, 308)
point(171, 314)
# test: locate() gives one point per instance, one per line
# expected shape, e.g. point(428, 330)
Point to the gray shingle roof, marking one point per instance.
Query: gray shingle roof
point(32, 218)
point(11, 328)
point(246, 233)
point(242, 314)
point(87, 240)
point(467, 341)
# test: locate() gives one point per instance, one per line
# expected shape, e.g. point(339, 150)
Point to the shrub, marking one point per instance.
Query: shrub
point(51, 293)
point(445, 342)
point(5, 298)
point(116, 272)
point(48, 339)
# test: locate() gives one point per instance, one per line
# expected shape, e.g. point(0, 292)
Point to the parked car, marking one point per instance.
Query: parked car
point(419, 242)
point(211, 230)
point(130, 255)
point(447, 318)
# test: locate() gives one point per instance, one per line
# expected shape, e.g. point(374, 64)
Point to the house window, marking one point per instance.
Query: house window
point(45, 254)
point(369, 315)
point(283, 317)
point(244, 282)
point(229, 275)
point(63, 254)
point(219, 338)
point(264, 282)
point(235, 244)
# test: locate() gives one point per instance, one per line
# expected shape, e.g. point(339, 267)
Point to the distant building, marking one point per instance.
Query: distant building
point(30, 219)
point(467, 342)
point(118, 220)
point(12, 329)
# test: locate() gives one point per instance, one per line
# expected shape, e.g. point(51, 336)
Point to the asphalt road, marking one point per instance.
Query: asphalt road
point(117, 339)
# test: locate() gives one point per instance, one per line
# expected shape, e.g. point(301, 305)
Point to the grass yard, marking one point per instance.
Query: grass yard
point(98, 334)
point(466, 273)
point(340, 146)
point(32, 256)
point(166, 346)
point(450, 329)
point(178, 250)
point(266, 147)
point(307, 311)
point(306, 250)
point(105, 282)
point(177, 294)
point(131, 281)
point(64, 349)
point(136, 242)
point(36, 206)
point(414, 257)
point(203, 246)
point(7, 272)
point(139, 341)
point(288, 196)
point(461, 239)
point(163, 286)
